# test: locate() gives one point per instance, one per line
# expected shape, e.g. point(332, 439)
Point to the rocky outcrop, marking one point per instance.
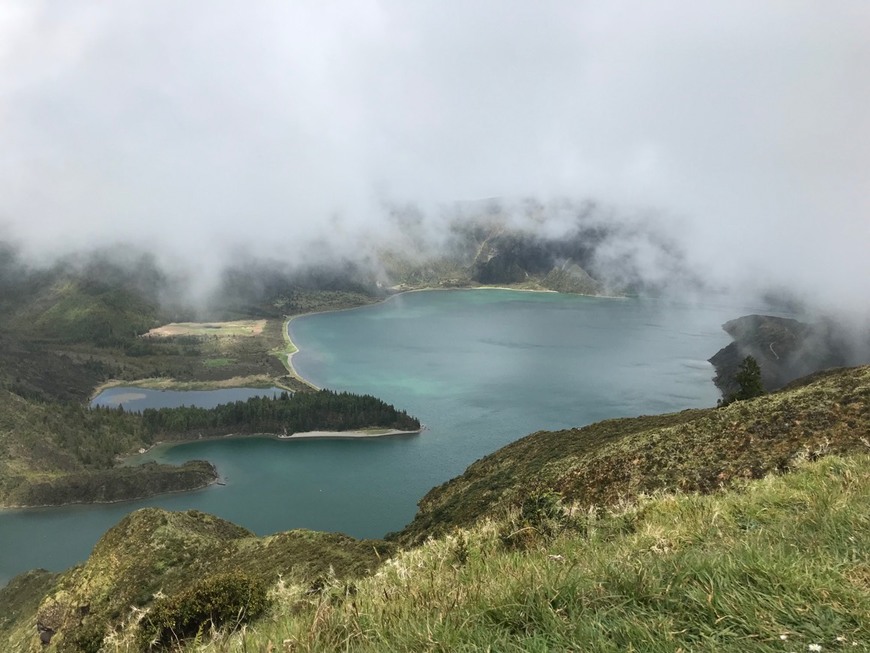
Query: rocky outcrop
point(786, 349)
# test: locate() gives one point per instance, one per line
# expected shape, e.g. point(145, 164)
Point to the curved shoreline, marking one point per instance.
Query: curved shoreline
point(291, 345)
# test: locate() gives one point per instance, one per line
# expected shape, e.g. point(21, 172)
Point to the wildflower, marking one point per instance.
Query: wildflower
point(841, 638)
point(783, 637)
point(814, 647)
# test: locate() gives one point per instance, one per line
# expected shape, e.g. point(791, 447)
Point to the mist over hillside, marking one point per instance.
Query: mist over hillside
point(728, 144)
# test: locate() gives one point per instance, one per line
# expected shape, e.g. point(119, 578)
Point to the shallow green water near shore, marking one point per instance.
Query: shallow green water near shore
point(479, 368)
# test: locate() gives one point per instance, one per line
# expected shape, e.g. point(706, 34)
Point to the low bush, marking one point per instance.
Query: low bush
point(220, 601)
point(540, 516)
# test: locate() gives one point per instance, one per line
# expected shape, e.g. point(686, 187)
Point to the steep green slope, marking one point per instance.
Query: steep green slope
point(153, 553)
point(105, 297)
point(52, 454)
point(74, 310)
point(695, 450)
point(779, 565)
point(551, 543)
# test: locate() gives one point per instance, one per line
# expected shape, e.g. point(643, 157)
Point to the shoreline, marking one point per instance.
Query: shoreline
point(170, 384)
point(357, 434)
point(290, 349)
point(213, 482)
point(295, 348)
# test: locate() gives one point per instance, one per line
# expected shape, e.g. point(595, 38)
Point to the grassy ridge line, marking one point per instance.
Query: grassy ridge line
point(729, 571)
point(776, 567)
point(155, 552)
point(695, 450)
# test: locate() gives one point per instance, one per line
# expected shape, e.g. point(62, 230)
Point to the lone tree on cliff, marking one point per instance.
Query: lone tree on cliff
point(748, 380)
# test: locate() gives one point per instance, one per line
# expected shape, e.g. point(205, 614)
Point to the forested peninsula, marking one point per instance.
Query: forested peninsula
point(286, 414)
point(67, 453)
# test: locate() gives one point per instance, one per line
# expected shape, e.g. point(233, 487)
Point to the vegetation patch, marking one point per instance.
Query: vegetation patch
point(768, 568)
point(237, 328)
point(218, 362)
point(160, 576)
point(222, 601)
point(56, 454)
point(284, 415)
point(694, 450)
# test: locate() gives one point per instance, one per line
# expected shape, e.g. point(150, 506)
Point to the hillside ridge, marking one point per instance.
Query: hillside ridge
point(595, 470)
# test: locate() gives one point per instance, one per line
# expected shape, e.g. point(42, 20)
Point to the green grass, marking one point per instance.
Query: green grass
point(765, 535)
point(694, 450)
point(153, 553)
point(787, 557)
point(218, 362)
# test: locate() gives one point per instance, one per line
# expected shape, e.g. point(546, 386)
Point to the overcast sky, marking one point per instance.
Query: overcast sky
point(197, 126)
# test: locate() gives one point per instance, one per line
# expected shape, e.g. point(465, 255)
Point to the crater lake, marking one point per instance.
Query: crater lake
point(480, 368)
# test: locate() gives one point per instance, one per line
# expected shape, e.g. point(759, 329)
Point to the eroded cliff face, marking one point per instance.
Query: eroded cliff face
point(787, 349)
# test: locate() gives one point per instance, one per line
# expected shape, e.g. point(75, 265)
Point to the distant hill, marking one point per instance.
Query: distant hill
point(570, 248)
point(787, 349)
point(102, 298)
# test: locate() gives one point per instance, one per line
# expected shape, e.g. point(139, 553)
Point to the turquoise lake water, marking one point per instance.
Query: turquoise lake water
point(479, 368)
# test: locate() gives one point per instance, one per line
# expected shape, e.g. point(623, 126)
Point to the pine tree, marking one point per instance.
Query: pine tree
point(748, 379)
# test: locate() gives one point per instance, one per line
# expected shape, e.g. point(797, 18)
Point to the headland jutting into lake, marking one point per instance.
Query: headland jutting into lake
point(480, 369)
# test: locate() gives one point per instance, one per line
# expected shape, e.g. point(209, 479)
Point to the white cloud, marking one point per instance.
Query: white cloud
point(203, 125)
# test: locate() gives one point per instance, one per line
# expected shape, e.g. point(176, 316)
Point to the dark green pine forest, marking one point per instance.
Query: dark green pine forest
point(286, 414)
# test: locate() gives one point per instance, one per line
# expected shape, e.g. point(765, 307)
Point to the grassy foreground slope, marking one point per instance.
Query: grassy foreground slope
point(663, 533)
point(777, 567)
point(152, 553)
point(695, 450)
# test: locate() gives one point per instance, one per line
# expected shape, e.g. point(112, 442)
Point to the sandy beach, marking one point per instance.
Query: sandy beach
point(363, 434)
point(340, 435)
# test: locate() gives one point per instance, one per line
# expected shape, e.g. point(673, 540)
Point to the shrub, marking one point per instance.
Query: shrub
point(87, 637)
point(218, 601)
point(541, 515)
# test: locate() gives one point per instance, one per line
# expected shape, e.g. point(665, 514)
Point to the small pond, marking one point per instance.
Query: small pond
point(138, 399)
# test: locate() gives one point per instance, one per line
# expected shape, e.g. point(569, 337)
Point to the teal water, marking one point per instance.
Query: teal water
point(479, 368)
